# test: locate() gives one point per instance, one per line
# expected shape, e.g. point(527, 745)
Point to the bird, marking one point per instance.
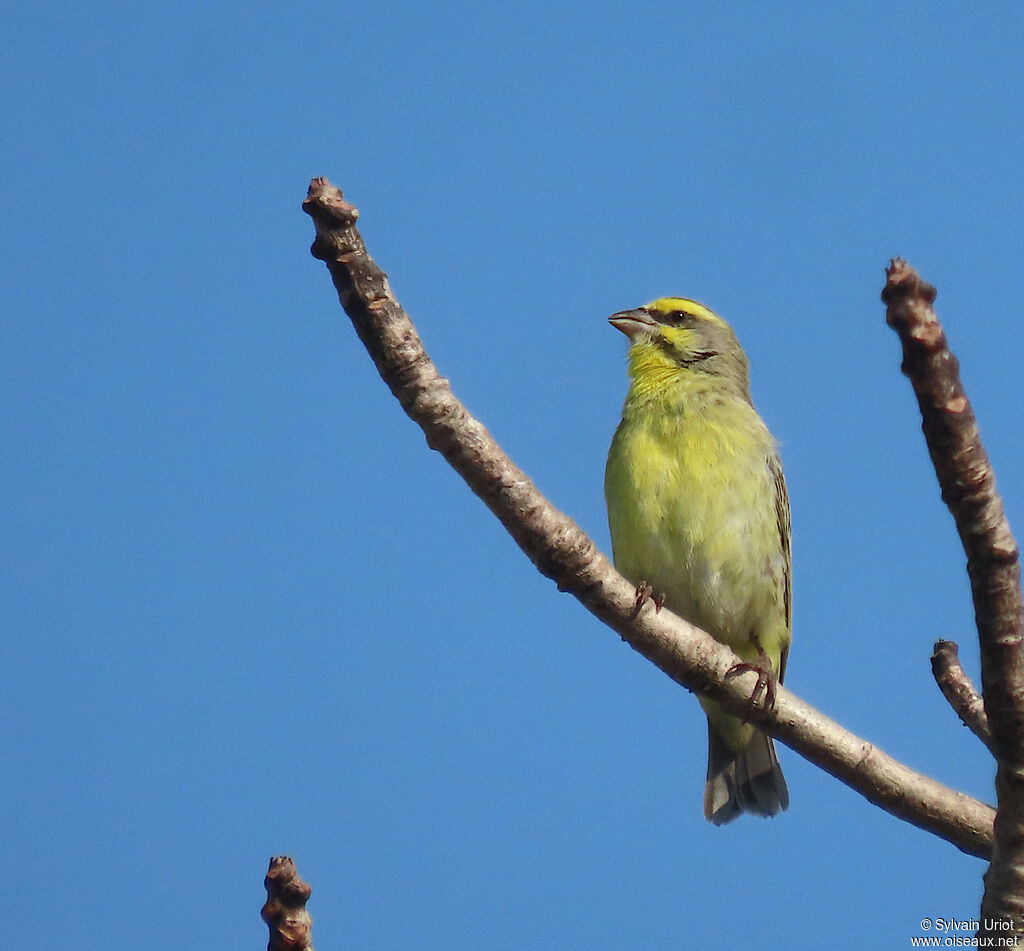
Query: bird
point(699, 519)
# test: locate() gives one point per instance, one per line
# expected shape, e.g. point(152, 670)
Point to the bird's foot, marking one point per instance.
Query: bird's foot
point(767, 679)
point(645, 593)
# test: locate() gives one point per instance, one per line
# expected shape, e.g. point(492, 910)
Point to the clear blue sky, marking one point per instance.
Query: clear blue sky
point(246, 612)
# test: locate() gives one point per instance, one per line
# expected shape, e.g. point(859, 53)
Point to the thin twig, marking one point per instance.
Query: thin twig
point(993, 564)
point(561, 551)
point(291, 928)
point(957, 688)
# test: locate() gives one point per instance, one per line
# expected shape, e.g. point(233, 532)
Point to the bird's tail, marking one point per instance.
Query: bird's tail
point(750, 780)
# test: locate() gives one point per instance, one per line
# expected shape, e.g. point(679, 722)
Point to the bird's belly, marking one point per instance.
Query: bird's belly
point(704, 536)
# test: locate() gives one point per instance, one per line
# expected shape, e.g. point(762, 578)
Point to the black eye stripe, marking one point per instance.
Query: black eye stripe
point(680, 318)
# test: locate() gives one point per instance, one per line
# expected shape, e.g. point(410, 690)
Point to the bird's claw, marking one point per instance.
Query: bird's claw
point(767, 680)
point(645, 593)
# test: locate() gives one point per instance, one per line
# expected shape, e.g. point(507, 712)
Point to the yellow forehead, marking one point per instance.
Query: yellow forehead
point(667, 305)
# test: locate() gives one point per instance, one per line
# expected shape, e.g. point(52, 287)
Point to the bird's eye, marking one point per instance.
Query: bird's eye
point(680, 317)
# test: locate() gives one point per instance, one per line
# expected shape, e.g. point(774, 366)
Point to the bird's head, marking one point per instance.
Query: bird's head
point(675, 334)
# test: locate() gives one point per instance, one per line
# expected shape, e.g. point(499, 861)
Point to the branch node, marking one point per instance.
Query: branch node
point(324, 202)
point(291, 927)
point(902, 281)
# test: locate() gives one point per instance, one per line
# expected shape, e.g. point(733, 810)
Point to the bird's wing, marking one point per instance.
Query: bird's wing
point(782, 516)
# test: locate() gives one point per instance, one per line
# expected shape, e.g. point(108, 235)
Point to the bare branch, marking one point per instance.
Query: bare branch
point(291, 928)
point(993, 563)
point(957, 688)
point(561, 551)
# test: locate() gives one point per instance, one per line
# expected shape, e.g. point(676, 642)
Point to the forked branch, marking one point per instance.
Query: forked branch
point(993, 564)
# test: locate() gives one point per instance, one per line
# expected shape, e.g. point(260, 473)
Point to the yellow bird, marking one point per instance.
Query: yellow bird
point(699, 515)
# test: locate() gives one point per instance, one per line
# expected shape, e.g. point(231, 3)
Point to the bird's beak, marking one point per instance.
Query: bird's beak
point(633, 323)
